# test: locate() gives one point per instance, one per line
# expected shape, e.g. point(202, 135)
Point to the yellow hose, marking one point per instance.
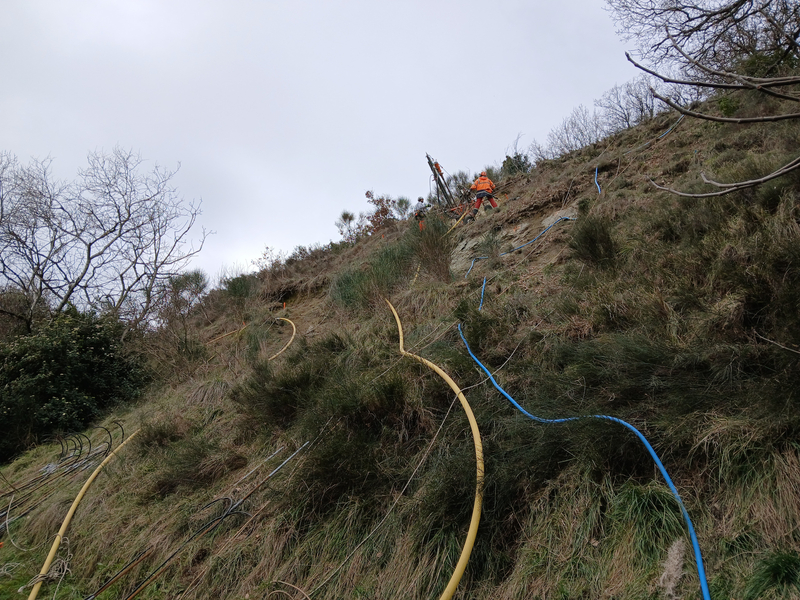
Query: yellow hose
point(467, 210)
point(476, 436)
point(57, 542)
point(224, 335)
point(289, 343)
point(416, 275)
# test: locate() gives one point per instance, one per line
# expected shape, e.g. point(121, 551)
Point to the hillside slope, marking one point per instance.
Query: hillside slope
point(678, 316)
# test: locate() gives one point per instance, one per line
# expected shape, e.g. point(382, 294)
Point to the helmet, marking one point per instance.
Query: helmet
point(483, 173)
point(420, 199)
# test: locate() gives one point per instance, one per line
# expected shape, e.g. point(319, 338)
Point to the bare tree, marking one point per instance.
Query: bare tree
point(626, 105)
point(720, 46)
point(578, 130)
point(714, 33)
point(105, 241)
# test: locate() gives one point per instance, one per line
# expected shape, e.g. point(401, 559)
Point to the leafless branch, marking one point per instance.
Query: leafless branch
point(734, 187)
point(738, 120)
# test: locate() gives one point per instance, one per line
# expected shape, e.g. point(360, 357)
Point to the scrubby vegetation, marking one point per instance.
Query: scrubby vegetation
point(62, 377)
point(677, 314)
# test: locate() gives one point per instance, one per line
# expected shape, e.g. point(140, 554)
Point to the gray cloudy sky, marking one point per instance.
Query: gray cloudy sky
point(283, 113)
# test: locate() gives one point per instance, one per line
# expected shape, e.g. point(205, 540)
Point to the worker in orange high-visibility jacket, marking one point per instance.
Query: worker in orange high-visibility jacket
point(485, 188)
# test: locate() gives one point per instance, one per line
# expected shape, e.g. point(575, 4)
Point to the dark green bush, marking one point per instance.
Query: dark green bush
point(780, 571)
point(343, 465)
point(728, 105)
point(278, 397)
point(516, 163)
point(240, 287)
point(61, 377)
point(194, 462)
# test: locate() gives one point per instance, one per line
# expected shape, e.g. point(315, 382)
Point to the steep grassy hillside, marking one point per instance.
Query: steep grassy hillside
point(677, 315)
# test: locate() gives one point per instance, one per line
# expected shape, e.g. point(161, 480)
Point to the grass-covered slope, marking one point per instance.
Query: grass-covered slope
point(677, 315)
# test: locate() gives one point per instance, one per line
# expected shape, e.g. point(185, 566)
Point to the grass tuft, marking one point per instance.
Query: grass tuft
point(778, 572)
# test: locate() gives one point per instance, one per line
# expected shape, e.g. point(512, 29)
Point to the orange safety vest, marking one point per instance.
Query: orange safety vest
point(483, 184)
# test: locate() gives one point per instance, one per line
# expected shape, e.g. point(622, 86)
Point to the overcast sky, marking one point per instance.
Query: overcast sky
point(283, 113)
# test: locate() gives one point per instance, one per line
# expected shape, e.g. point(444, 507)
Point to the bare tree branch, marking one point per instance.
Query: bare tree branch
point(736, 186)
point(754, 83)
point(715, 33)
point(738, 120)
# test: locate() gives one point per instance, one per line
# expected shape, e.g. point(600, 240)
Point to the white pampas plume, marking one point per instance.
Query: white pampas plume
point(673, 569)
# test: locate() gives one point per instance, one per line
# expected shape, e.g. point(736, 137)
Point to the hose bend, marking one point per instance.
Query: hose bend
point(289, 343)
point(476, 436)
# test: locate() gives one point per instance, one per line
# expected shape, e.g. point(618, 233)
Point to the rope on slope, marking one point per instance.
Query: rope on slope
point(523, 245)
point(457, 222)
point(391, 508)
point(258, 512)
point(476, 437)
point(232, 509)
point(655, 140)
point(68, 518)
point(698, 557)
point(145, 553)
point(483, 288)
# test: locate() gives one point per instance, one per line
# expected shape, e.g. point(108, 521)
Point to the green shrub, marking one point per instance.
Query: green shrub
point(515, 164)
point(360, 287)
point(728, 105)
point(61, 377)
point(343, 465)
point(277, 397)
point(240, 287)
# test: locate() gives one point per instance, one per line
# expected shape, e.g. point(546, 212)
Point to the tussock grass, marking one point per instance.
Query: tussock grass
point(194, 462)
point(433, 248)
point(776, 575)
point(359, 288)
point(593, 243)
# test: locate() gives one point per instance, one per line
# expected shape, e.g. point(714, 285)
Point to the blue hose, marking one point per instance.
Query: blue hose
point(671, 128)
point(658, 138)
point(595, 181)
point(540, 235)
point(695, 544)
point(482, 289)
point(523, 245)
point(473, 264)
